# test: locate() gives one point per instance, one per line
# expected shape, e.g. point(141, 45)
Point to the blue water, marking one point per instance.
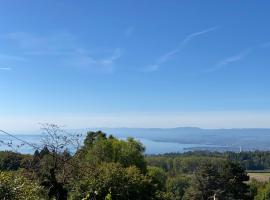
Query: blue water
point(159, 147)
point(152, 147)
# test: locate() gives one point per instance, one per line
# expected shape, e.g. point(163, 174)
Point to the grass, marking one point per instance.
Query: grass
point(260, 176)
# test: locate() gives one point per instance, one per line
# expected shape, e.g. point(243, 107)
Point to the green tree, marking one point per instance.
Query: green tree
point(114, 179)
point(53, 166)
point(224, 182)
point(263, 191)
point(205, 184)
point(15, 187)
point(98, 148)
point(177, 185)
point(10, 160)
point(158, 177)
point(233, 178)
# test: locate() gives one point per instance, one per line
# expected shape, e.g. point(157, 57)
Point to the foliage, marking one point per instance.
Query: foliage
point(157, 176)
point(177, 186)
point(53, 166)
point(251, 160)
point(224, 182)
point(114, 179)
point(205, 184)
point(105, 167)
point(14, 187)
point(12, 161)
point(98, 148)
point(261, 191)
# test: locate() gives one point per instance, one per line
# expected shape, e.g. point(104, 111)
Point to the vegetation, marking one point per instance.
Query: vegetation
point(14, 187)
point(262, 177)
point(106, 168)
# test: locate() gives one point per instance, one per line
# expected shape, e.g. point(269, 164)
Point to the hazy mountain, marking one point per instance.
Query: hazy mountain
point(248, 139)
point(213, 139)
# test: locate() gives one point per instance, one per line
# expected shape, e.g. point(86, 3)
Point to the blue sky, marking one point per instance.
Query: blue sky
point(134, 63)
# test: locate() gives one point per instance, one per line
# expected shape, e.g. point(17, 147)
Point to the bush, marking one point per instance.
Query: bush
point(14, 187)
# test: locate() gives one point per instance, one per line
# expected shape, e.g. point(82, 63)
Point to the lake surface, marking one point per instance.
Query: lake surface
point(152, 147)
point(159, 147)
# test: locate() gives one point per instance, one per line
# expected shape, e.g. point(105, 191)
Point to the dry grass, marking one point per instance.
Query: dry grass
point(260, 176)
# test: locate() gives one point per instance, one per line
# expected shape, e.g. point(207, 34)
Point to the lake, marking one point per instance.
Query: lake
point(152, 146)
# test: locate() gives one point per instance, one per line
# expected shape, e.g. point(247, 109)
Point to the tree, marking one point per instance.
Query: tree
point(10, 160)
point(233, 178)
point(117, 182)
point(177, 185)
point(205, 184)
point(224, 182)
point(99, 148)
point(15, 187)
point(53, 165)
point(116, 169)
point(262, 190)
point(158, 177)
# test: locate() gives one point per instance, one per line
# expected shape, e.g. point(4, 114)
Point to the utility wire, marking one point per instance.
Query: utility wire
point(53, 155)
point(21, 140)
point(36, 147)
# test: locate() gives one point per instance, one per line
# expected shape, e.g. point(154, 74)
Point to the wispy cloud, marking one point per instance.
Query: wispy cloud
point(11, 57)
point(165, 57)
point(117, 53)
point(8, 60)
point(84, 59)
point(62, 48)
point(29, 41)
point(5, 68)
point(265, 45)
point(229, 60)
point(196, 34)
point(129, 31)
point(236, 58)
point(25, 40)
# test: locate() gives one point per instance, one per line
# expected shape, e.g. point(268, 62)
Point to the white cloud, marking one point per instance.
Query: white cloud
point(196, 34)
point(5, 68)
point(165, 57)
point(223, 63)
point(42, 43)
point(151, 68)
point(61, 48)
point(85, 59)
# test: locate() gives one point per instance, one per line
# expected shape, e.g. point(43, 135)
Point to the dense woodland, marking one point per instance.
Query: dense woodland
point(106, 168)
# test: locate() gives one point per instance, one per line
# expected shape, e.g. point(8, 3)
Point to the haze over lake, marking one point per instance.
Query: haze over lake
point(182, 139)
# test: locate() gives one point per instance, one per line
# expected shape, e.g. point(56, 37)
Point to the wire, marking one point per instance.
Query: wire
point(21, 140)
point(38, 148)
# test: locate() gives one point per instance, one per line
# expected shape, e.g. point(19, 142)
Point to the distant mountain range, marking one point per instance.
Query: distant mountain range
point(214, 139)
point(230, 139)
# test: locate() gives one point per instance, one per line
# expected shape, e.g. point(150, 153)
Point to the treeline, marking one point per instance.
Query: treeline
point(106, 168)
point(187, 162)
point(173, 162)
